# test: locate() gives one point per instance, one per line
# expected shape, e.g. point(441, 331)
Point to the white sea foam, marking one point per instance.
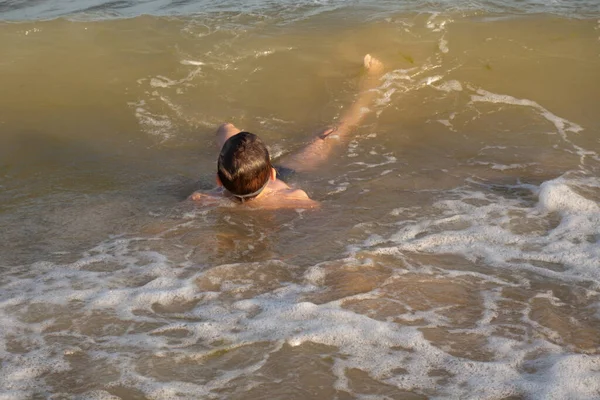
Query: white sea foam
point(263, 53)
point(450, 86)
point(159, 91)
point(562, 125)
point(431, 79)
point(32, 31)
point(243, 304)
point(504, 167)
point(489, 235)
point(439, 25)
point(557, 195)
point(443, 45)
point(192, 62)
point(160, 81)
point(154, 124)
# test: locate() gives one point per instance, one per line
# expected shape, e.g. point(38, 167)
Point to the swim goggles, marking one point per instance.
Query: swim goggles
point(253, 194)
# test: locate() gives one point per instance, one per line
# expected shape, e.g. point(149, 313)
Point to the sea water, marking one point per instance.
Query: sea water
point(456, 252)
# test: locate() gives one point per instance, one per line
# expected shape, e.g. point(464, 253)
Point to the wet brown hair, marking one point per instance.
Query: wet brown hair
point(244, 165)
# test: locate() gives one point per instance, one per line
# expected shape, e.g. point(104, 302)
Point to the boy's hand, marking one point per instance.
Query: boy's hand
point(197, 196)
point(204, 199)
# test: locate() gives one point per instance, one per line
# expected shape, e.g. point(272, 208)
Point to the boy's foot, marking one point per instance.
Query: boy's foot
point(372, 65)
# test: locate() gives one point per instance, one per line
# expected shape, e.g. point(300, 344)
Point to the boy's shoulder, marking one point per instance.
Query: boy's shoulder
point(284, 198)
point(280, 195)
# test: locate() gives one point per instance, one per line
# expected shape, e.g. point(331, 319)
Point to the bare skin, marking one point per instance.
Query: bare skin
point(277, 194)
point(317, 151)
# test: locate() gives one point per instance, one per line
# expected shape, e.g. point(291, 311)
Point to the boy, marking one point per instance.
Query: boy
point(244, 169)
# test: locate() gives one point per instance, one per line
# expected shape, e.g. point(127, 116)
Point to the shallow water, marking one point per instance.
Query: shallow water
point(456, 253)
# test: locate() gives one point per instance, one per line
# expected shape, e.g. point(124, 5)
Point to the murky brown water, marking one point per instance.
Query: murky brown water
point(456, 253)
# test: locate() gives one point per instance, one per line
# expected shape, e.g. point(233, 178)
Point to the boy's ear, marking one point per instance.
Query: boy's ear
point(273, 174)
point(219, 183)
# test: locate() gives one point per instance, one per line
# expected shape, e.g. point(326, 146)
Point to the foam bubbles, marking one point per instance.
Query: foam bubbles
point(450, 86)
point(154, 124)
point(557, 195)
point(561, 124)
point(192, 62)
point(443, 45)
point(448, 304)
point(474, 290)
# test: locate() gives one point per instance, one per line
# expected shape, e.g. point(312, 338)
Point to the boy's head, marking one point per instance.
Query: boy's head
point(244, 166)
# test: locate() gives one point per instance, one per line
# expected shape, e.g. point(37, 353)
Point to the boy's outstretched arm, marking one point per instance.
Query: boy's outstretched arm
point(317, 151)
